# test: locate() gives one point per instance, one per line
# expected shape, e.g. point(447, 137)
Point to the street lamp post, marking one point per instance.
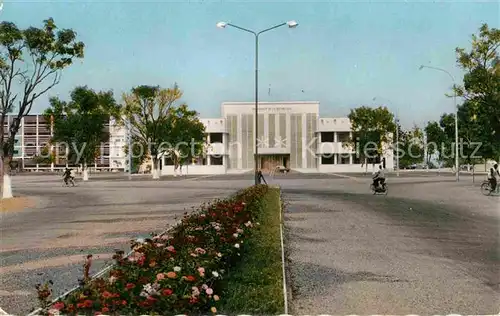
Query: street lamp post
point(291, 24)
point(456, 116)
point(129, 125)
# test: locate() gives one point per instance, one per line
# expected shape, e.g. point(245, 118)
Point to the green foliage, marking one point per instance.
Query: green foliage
point(45, 156)
point(411, 146)
point(481, 89)
point(79, 123)
point(31, 62)
point(255, 286)
point(160, 125)
point(371, 129)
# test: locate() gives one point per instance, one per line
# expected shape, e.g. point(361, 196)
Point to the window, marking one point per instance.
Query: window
point(343, 137)
point(215, 138)
point(343, 159)
point(327, 137)
point(327, 159)
point(216, 160)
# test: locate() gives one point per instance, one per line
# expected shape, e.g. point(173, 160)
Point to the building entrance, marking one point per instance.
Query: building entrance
point(268, 163)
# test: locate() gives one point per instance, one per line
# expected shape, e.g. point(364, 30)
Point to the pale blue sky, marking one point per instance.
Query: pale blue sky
point(342, 53)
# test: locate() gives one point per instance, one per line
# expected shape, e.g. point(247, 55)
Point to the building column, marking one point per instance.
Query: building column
point(208, 160)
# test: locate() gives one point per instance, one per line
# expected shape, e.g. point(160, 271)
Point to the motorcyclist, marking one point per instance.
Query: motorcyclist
point(492, 176)
point(67, 175)
point(379, 177)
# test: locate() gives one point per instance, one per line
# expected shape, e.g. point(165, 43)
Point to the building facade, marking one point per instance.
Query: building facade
point(290, 135)
point(33, 139)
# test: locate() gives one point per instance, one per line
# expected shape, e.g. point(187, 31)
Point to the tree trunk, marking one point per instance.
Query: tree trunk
point(154, 168)
point(85, 172)
point(6, 183)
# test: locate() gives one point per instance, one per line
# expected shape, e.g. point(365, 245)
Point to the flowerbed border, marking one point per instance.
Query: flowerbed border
point(239, 197)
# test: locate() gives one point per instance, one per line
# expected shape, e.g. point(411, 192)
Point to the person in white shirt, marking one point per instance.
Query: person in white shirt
point(379, 177)
point(492, 176)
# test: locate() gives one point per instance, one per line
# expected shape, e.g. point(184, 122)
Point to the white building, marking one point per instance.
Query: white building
point(290, 134)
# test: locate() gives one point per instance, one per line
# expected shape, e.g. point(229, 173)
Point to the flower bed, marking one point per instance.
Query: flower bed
point(180, 272)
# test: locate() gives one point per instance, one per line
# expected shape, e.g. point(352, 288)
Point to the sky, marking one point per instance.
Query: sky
point(342, 54)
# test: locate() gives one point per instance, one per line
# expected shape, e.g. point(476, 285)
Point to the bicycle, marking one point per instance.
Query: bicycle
point(486, 188)
point(71, 181)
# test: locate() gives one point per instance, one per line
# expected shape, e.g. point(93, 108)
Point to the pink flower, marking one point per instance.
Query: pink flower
point(201, 271)
point(204, 286)
point(170, 248)
point(209, 291)
point(159, 245)
point(160, 276)
point(201, 251)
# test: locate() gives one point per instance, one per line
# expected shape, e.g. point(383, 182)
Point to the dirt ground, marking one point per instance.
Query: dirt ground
point(16, 204)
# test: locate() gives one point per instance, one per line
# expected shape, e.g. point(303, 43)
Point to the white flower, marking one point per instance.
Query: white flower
point(237, 246)
point(140, 240)
point(240, 230)
point(215, 274)
point(219, 255)
point(112, 279)
point(235, 235)
point(177, 269)
point(54, 312)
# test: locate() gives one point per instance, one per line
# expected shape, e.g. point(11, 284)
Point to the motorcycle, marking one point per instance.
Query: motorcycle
point(380, 189)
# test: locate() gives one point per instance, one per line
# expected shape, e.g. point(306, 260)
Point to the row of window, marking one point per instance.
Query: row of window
point(329, 137)
point(201, 161)
point(345, 159)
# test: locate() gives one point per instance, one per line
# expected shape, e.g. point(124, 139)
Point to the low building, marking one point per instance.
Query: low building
point(290, 136)
point(35, 134)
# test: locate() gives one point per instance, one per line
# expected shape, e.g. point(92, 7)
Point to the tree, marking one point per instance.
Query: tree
point(411, 146)
point(31, 62)
point(160, 125)
point(481, 89)
point(371, 128)
point(186, 132)
point(80, 124)
point(435, 140)
point(45, 156)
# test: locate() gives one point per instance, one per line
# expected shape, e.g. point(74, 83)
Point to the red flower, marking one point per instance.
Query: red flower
point(88, 303)
point(193, 300)
point(129, 286)
point(190, 278)
point(106, 294)
point(58, 305)
point(167, 292)
point(124, 302)
point(105, 310)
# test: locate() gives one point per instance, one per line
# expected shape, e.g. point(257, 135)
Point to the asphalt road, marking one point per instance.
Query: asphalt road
point(49, 242)
point(428, 247)
point(351, 252)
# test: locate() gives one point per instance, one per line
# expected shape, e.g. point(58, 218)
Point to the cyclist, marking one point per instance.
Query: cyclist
point(492, 176)
point(379, 178)
point(68, 174)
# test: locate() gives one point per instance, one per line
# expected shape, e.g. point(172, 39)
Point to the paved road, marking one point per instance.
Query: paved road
point(50, 241)
point(347, 245)
point(429, 247)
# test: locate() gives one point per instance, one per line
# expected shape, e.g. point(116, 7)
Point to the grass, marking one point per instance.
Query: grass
point(256, 285)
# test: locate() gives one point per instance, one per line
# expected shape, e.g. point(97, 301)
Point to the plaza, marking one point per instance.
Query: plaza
point(410, 252)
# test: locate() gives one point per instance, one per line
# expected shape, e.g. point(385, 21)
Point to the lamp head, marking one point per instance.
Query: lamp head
point(421, 67)
point(221, 25)
point(292, 24)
